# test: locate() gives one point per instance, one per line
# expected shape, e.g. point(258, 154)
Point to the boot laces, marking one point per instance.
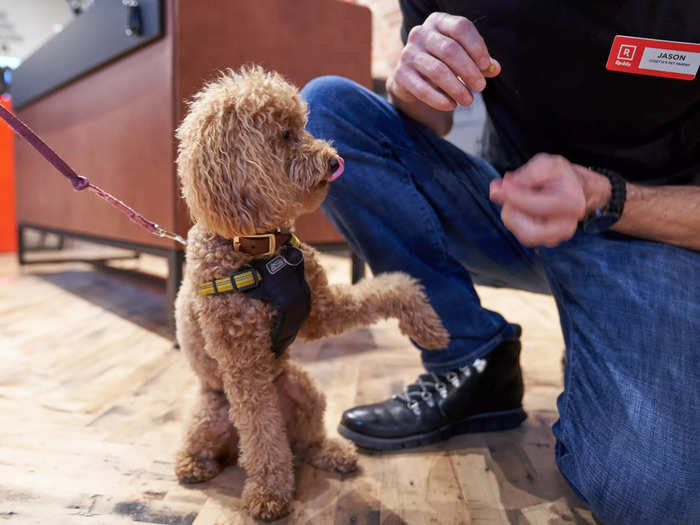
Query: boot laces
point(427, 385)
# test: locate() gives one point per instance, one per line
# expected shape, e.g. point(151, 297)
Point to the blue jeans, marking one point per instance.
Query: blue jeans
point(628, 437)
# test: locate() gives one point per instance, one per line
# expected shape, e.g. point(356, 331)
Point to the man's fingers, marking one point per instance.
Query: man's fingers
point(438, 74)
point(493, 70)
point(545, 187)
point(445, 58)
point(496, 191)
point(541, 203)
point(398, 89)
point(465, 33)
point(529, 176)
point(539, 170)
point(534, 231)
point(524, 227)
point(409, 80)
point(451, 53)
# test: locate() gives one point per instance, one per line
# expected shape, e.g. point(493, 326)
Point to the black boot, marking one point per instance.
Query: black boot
point(480, 397)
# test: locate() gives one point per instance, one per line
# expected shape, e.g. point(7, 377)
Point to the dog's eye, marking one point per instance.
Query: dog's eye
point(286, 135)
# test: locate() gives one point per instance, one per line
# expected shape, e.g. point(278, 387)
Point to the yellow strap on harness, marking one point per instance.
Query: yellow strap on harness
point(238, 282)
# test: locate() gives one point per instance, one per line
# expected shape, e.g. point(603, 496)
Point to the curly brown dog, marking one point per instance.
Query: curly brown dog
point(248, 166)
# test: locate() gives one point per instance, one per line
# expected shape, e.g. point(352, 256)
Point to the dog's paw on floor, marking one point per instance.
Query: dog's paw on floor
point(333, 455)
point(191, 469)
point(264, 503)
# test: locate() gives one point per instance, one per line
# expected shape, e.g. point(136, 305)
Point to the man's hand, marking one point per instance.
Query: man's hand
point(544, 200)
point(444, 58)
point(438, 53)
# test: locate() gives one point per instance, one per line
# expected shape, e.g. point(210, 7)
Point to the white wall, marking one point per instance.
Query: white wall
point(26, 24)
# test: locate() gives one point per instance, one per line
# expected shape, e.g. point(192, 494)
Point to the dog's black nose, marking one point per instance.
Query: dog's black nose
point(333, 165)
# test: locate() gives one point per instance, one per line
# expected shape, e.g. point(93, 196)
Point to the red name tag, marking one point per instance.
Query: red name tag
point(657, 58)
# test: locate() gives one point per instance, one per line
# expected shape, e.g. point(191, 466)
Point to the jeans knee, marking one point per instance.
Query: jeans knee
point(330, 90)
point(631, 489)
point(330, 99)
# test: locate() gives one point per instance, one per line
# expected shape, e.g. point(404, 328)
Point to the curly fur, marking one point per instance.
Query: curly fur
point(247, 165)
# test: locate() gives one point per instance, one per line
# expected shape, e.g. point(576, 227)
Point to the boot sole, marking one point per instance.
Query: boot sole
point(486, 422)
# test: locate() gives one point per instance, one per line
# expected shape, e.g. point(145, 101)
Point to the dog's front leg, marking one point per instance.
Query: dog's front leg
point(237, 337)
point(336, 308)
point(265, 453)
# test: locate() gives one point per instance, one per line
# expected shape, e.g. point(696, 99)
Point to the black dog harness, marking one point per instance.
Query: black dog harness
point(277, 280)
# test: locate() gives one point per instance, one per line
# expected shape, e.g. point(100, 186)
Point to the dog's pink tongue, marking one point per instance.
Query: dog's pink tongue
point(337, 173)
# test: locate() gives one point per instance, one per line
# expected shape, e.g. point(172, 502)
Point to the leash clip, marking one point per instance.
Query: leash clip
point(79, 183)
point(162, 232)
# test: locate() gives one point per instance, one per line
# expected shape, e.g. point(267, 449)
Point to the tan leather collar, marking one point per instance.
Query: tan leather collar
point(262, 245)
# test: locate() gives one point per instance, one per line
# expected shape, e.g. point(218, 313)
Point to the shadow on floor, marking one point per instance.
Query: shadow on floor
point(137, 297)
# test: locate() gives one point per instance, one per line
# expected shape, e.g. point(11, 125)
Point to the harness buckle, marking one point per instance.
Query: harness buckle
point(272, 242)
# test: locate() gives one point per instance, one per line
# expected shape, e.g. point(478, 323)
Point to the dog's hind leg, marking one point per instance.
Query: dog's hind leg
point(210, 440)
point(305, 427)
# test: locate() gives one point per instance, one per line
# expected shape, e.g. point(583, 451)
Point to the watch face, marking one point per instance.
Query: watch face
point(600, 222)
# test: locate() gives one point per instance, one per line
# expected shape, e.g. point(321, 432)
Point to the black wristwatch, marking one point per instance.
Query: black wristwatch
point(603, 219)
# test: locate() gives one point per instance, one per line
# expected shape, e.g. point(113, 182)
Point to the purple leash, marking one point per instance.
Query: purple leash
point(78, 182)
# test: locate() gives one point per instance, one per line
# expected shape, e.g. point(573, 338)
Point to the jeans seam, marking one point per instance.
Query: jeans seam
point(567, 328)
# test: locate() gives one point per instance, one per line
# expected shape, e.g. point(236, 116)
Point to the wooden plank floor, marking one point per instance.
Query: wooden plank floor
point(92, 396)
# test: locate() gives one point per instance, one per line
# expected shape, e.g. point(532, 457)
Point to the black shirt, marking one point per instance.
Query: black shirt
point(554, 94)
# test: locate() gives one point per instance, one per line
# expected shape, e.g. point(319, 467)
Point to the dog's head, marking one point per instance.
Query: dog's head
point(245, 161)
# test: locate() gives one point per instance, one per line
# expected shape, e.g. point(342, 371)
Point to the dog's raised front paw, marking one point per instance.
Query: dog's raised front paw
point(333, 455)
point(425, 328)
point(265, 503)
point(192, 469)
point(420, 322)
point(416, 317)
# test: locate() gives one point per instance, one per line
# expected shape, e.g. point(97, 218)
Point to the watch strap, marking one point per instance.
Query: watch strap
point(618, 191)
